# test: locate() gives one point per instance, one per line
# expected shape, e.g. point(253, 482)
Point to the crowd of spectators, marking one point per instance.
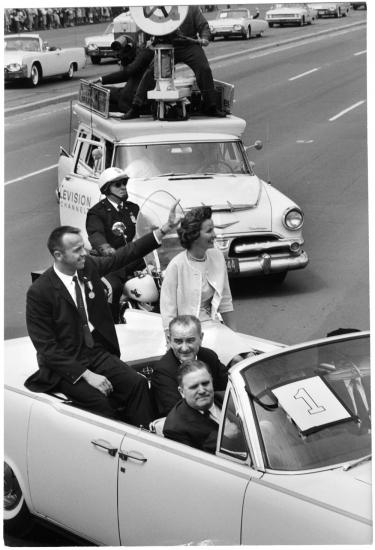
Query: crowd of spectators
point(37, 19)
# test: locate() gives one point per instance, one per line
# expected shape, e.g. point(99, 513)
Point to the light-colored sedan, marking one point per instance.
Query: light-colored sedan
point(299, 473)
point(291, 14)
point(331, 9)
point(27, 57)
point(237, 22)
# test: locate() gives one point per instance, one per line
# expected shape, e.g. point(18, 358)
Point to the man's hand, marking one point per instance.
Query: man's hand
point(106, 250)
point(204, 42)
point(173, 220)
point(98, 381)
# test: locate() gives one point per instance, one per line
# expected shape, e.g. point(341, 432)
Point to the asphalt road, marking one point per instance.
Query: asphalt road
point(287, 94)
point(307, 102)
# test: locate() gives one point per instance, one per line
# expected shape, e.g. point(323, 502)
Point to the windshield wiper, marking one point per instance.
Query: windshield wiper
point(356, 462)
point(172, 174)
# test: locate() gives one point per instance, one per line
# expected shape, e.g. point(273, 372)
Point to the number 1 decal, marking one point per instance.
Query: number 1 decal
point(313, 408)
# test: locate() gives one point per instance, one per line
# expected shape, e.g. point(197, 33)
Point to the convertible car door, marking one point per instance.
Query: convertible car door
point(171, 494)
point(53, 62)
point(73, 465)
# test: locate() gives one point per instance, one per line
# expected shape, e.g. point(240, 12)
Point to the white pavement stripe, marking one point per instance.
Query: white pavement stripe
point(360, 53)
point(31, 174)
point(342, 113)
point(304, 74)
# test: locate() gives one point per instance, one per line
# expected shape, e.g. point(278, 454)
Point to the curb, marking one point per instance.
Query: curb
point(73, 95)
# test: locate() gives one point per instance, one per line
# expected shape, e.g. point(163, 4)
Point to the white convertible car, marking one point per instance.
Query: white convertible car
point(27, 57)
point(236, 22)
point(301, 474)
point(291, 14)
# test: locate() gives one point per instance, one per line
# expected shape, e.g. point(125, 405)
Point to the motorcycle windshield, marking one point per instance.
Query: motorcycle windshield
point(153, 214)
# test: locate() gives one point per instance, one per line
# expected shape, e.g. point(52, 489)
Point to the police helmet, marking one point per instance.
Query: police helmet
point(108, 176)
point(142, 288)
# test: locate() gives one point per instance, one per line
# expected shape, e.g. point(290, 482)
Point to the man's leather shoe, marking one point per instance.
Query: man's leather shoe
point(132, 113)
point(214, 111)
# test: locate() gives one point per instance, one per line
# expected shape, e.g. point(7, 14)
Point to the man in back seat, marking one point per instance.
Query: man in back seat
point(185, 340)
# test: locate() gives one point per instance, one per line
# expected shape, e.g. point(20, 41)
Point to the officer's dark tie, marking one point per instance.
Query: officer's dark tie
point(89, 341)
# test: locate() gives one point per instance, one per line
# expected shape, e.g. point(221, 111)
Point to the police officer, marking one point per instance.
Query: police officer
point(104, 238)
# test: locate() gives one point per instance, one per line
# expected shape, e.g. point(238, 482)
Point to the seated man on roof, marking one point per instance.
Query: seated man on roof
point(188, 41)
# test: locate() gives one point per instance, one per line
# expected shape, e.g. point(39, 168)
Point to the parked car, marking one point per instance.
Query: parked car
point(27, 57)
point(331, 9)
point(358, 5)
point(236, 22)
point(301, 463)
point(201, 160)
point(291, 14)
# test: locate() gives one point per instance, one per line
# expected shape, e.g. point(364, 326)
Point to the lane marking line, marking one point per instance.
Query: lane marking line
point(304, 74)
point(360, 53)
point(31, 174)
point(342, 113)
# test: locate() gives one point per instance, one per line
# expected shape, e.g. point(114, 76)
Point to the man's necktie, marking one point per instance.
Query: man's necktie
point(89, 341)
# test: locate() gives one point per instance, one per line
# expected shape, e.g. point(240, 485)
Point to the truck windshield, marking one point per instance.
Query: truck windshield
point(312, 405)
point(147, 161)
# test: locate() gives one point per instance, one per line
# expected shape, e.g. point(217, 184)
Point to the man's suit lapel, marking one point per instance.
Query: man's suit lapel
point(59, 286)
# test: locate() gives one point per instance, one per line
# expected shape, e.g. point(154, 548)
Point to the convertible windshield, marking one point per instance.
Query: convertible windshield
point(25, 44)
point(312, 406)
point(233, 14)
point(147, 161)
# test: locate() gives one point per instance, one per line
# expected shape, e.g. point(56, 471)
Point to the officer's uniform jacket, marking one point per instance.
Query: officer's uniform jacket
point(102, 216)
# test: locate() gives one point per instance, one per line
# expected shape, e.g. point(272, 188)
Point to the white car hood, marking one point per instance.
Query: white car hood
point(346, 491)
point(229, 22)
point(14, 57)
point(249, 207)
point(285, 10)
point(100, 40)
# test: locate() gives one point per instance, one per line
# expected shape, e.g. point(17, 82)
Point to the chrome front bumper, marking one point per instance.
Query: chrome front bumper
point(266, 264)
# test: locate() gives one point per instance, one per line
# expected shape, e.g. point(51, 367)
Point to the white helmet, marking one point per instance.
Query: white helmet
point(142, 288)
point(108, 176)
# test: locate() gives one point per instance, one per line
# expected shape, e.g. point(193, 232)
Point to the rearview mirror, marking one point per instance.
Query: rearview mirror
point(258, 144)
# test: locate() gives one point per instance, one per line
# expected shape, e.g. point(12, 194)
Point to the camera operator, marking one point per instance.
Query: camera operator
point(134, 61)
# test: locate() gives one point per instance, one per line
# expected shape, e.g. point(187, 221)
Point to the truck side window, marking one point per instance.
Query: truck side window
point(85, 164)
point(233, 442)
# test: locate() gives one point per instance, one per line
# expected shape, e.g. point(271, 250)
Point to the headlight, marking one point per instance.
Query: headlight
point(293, 219)
point(221, 244)
point(92, 47)
point(14, 67)
point(237, 27)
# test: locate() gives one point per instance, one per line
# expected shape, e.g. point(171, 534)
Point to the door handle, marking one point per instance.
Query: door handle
point(125, 456)
point(106, 446)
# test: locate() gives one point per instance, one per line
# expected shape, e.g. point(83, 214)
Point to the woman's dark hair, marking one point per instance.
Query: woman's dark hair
point(191, 224)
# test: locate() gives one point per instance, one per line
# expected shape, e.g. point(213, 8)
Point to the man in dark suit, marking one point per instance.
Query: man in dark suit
point(188, 49)
point(185, 340)
point(115, 208)
point(195, 419)
point(70, 324)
